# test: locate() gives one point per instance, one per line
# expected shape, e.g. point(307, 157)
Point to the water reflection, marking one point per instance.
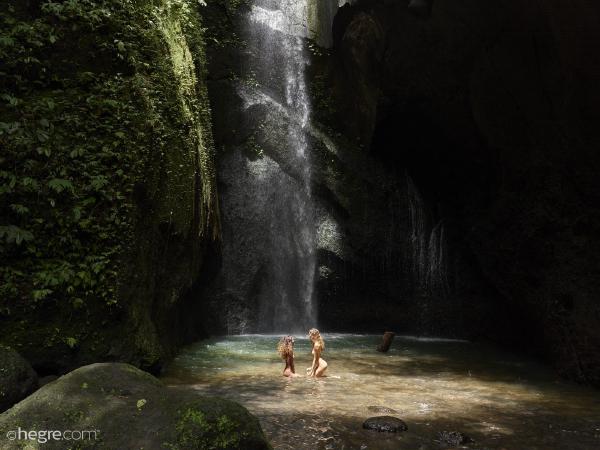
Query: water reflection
point(500, 400)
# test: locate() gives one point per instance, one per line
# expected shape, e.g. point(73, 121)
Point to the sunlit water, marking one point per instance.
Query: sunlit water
point(499, 400)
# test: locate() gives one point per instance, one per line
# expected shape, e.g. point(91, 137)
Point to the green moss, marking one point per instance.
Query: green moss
point(195, 430)
point(102, 141)
point(130, 407)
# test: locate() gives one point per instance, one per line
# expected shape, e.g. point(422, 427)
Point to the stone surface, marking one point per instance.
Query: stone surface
point(454, 438)
point(131, 409)
point(362, 208)
point(489, 108)
point(17, 378)
point(385, 423)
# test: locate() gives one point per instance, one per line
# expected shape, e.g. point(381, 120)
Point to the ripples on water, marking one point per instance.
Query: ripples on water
point(501, 401)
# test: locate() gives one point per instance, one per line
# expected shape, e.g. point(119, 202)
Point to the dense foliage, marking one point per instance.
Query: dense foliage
point(89, 107)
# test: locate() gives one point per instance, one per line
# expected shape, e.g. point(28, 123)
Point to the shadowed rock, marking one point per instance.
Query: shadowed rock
point(17, 378)
point(454, 438)
point(385, 423)
point(421, 8)
point(121, 407)
point(531, 220)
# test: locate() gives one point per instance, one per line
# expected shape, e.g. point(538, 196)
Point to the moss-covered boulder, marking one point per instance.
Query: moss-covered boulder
point(122, 407)
point(17, 378)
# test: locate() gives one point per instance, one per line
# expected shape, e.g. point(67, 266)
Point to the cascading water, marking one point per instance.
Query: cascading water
point(276, 30)
point(427, 242)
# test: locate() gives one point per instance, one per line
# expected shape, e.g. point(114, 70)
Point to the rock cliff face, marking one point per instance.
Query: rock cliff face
point(490, 107)
point(454, 172)
point(109, 208)
point(381, 254)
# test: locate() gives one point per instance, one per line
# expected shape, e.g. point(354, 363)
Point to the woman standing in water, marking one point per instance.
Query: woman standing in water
point(319, 364)
point(285, 348)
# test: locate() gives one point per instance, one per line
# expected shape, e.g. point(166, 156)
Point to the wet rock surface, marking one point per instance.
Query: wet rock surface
point(385, 424)
point(453, 438)
point(364, 244)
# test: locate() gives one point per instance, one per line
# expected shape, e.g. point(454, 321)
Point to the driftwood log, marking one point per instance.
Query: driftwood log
point(388, 337)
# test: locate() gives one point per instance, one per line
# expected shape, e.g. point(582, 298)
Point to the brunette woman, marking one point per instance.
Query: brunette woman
point(285, 348)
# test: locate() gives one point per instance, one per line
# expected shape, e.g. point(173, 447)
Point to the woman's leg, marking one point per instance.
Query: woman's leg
point(321, 369)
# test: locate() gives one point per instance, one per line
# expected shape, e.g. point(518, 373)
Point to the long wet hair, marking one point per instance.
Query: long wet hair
point(314, 333)
point(285, 347)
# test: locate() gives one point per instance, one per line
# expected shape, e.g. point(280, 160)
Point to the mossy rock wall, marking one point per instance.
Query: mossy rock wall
point(108, 201)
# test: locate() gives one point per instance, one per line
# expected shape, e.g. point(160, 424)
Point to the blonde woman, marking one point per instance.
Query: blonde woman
point(285, 348)
point(319, 365)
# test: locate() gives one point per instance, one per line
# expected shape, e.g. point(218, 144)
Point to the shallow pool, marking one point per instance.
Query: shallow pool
point(501, 401)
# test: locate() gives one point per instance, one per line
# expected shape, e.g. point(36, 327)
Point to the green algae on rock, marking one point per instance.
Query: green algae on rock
point(108, 190)
point(124, 407)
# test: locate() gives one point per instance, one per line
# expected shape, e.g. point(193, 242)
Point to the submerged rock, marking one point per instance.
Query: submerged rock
point(454, 438)
point(122, 407)
point(385, 423)
point(381, 409)
point(17, 378)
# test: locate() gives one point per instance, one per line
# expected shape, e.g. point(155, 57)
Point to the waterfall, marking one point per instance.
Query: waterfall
point(275, 79)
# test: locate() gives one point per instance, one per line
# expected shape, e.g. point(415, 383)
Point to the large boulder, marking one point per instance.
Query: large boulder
point(117, 406)
point(17, 378)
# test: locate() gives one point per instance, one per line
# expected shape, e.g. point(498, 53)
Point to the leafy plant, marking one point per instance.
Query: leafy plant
point(89, 108)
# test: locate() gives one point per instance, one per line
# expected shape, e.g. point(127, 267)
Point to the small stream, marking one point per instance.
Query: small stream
point(500, 400)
